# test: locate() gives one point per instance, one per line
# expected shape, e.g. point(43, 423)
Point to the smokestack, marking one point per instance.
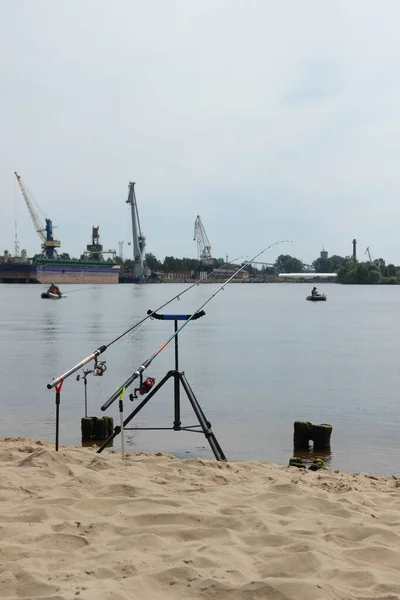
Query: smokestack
point(354, 250)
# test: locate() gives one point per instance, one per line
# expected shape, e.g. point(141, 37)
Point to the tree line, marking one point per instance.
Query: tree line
point(348, 270)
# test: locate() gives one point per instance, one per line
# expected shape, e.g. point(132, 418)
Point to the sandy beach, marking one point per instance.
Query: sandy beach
point(75, 524)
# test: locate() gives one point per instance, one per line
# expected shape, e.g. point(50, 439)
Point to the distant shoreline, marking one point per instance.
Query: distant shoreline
point(275, 280)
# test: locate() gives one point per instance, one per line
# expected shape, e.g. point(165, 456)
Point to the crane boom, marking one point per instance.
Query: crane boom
point(139, 240)
point(203, 245)
point(49, 244)
point(35, 218)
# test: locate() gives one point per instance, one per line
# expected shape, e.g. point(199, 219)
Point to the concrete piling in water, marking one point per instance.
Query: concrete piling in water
point(321, 436)
point(96, 428)
point(87, 428)
point(304, 432)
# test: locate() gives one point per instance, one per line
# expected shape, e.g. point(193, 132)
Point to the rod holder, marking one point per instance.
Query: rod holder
point(160, 317)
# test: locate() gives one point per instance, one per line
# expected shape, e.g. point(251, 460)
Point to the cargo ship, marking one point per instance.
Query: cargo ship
point(47, 268)
point(43, 270)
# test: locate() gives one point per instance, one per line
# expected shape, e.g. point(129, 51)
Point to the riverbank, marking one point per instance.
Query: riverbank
point(75, 524)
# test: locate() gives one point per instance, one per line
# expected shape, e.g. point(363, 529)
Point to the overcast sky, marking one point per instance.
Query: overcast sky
point(271, 119)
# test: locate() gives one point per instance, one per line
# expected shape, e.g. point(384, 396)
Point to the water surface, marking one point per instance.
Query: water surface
point(260, 359)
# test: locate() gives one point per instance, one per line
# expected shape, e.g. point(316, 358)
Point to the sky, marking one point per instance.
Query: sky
point(271, 120)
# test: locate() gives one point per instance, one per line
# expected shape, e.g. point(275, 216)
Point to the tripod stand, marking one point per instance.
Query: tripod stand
point(179, 381)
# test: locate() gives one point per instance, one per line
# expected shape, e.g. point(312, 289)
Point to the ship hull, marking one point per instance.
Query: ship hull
point(31, 273)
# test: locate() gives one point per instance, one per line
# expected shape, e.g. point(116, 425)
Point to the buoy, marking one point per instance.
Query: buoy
point(304, 432)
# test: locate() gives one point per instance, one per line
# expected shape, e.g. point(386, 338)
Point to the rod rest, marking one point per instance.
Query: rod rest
point(155, 315)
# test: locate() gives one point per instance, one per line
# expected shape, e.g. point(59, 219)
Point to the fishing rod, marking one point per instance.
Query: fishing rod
point(195, 315)
point(103, 348)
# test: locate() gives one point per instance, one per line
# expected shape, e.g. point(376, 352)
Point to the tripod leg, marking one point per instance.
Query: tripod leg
point(177, 403)
point(117, 428)
point(204, 423)
point(177, 389)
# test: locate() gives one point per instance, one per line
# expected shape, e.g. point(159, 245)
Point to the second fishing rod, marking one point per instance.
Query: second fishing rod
point(138, 373)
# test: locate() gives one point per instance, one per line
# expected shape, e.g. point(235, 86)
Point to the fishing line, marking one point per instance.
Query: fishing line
point(103, 348)
point(177, 297)
point(81, 290)
point(148, 362)
point(133, 334)
point(136, 331)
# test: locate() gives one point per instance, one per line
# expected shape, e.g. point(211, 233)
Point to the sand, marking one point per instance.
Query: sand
point(76, 524)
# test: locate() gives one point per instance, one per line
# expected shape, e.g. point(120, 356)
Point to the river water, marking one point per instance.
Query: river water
point(260, 359)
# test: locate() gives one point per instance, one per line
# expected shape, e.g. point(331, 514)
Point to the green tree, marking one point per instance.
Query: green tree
point(172, 264)
point(323, 265)
point(218, 262)
point(250, 269)
point(380, 263)
point(328, 265)
point(152, 262)
point(268, 271)
point(338, 261)
point(359, 273)
point(288, 264)
point(192, 264)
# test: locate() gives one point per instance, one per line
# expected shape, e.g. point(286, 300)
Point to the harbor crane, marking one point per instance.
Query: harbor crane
point(139, 241)
point(49, 244)
point(369, 254)
point(203, 245)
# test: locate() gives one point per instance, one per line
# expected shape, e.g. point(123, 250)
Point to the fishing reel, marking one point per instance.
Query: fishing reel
point(99, 369)
point(144, 387)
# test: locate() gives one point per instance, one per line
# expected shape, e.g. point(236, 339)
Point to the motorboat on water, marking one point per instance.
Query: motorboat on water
point(317, 298)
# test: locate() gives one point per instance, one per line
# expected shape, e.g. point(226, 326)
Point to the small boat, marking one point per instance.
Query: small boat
point(52, 296)
point(319, 298)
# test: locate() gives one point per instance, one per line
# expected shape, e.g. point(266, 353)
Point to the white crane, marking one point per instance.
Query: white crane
point(49, 244)
point(139, 241)
point(369, 254)
point(203, 245)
